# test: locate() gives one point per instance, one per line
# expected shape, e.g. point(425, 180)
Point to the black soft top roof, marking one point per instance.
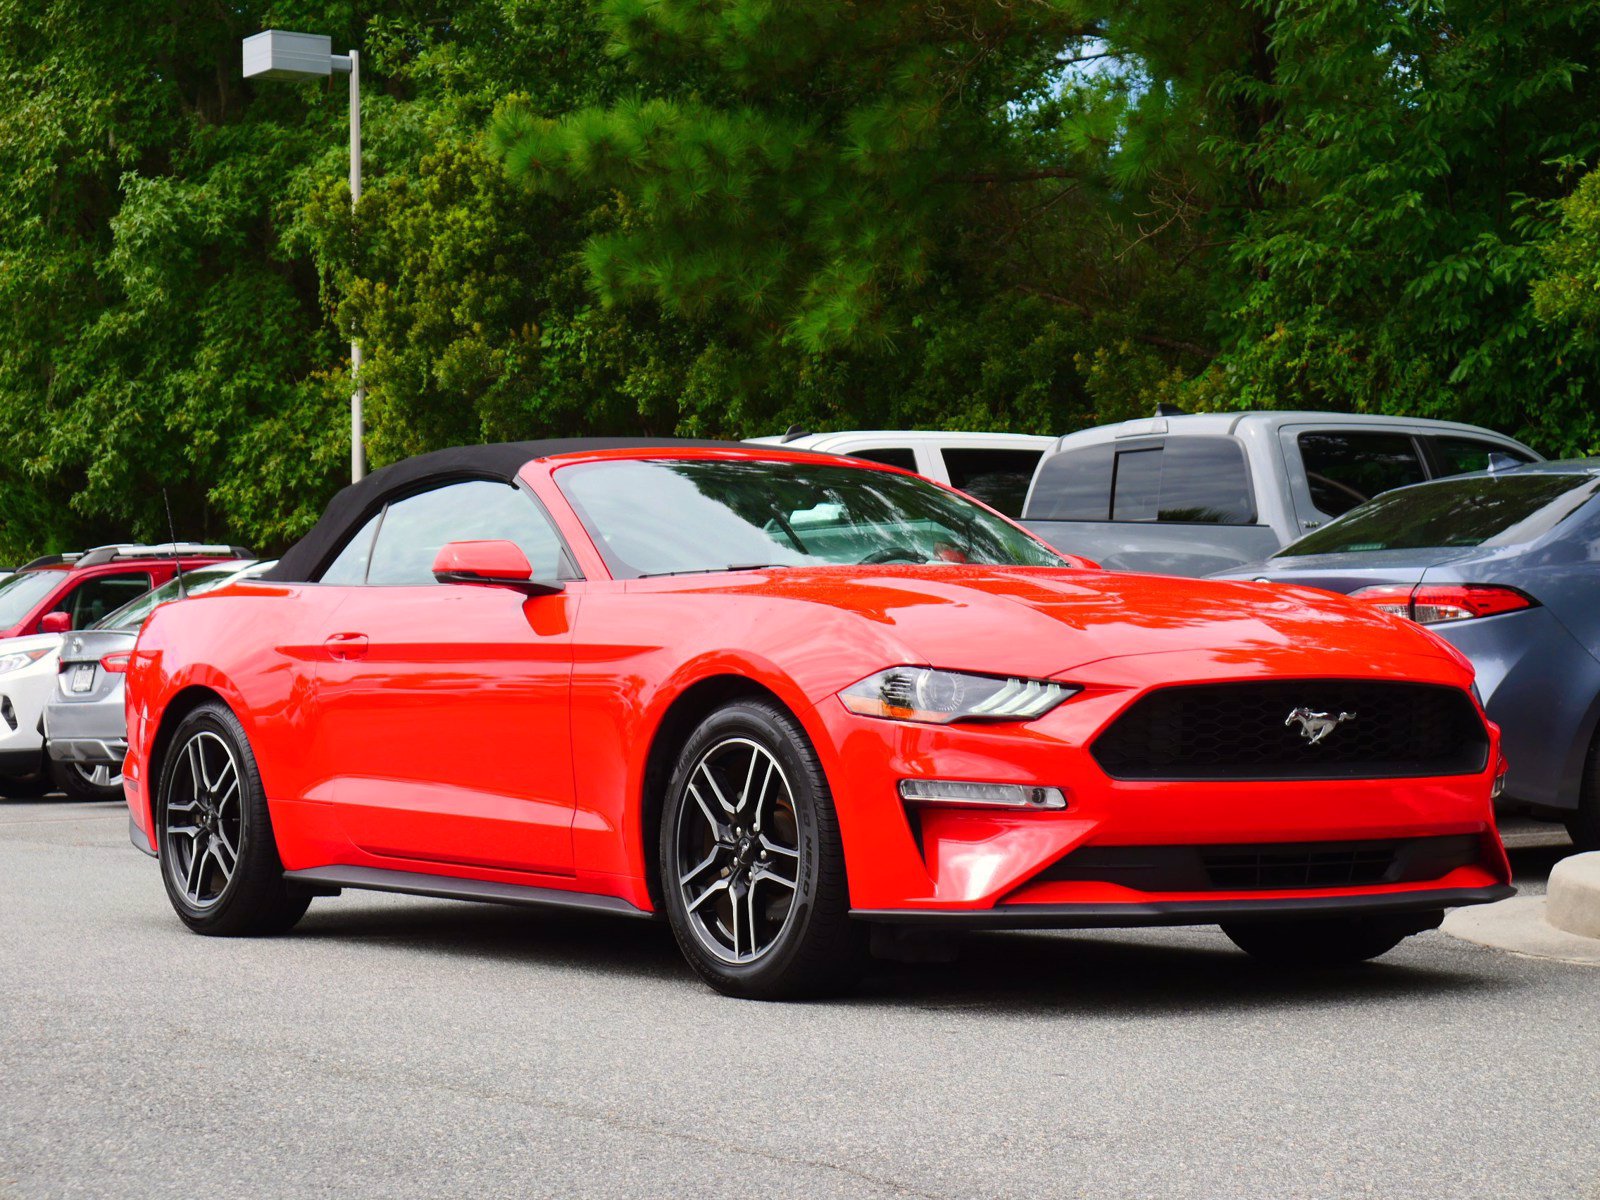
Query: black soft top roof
point(355, 504)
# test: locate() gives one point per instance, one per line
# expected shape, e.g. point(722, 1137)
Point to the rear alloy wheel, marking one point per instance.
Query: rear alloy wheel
point(751, 863)
point(81, 781)
point(1326, 941)
point(218, 857)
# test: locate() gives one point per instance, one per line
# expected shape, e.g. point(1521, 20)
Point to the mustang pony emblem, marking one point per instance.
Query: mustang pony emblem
point(1314, 726)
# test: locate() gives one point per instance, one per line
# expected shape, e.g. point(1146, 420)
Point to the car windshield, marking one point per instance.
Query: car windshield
point(132, 614)
point(20, 593)
point(1487, 510)
point(670, 517)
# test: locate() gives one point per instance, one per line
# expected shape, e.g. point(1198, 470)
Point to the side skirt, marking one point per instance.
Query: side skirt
point(448, 887)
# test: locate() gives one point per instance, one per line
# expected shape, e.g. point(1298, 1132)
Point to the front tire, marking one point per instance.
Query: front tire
point(219, 859)
point(752, 866)
point(1325, 941)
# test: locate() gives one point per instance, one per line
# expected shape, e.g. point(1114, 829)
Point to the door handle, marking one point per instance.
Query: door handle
point(342, 647)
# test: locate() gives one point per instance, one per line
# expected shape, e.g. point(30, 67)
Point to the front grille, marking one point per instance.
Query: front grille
point(1268, 866)
point(1244, 731)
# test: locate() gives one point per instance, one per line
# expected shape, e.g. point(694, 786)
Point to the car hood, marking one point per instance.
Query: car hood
point(1041, 621)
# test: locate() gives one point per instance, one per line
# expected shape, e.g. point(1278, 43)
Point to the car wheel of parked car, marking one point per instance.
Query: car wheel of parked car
point(219, 860)
point(752, 867)
point(1324, 941)
point(81, 782)
point(1583, 826)
point(25, 787)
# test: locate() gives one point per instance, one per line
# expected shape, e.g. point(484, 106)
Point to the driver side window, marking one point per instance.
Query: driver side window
point(414, 529)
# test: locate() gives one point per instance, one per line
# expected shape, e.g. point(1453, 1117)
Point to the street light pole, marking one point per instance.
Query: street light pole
point(277, 54)
point(358, 466)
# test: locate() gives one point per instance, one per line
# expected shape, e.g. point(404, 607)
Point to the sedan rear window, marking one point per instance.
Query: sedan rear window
point(1503, 510)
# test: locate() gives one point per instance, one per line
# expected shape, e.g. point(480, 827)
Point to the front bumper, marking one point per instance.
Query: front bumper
point(1189, 912)
point(990, 868)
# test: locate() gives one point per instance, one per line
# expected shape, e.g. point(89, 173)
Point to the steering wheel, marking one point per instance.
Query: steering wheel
point(891, 554)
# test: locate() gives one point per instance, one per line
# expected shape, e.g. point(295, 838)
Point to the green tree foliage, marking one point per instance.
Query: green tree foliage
point(717, 217)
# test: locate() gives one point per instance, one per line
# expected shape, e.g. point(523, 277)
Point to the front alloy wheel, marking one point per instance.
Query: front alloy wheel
point(738, 851)
point(751, 865)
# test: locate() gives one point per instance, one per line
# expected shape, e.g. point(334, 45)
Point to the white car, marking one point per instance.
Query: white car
point(993, 467)
point(27, 680)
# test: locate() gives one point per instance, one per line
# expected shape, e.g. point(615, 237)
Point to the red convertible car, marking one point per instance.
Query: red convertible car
point(782, 698)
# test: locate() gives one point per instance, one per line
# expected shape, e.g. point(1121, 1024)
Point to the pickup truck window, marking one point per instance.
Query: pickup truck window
point(1074, 485)
point(1188, 480)
point(999, 478)
point(1462, 455)
point(1345, 468)
point(903, 457)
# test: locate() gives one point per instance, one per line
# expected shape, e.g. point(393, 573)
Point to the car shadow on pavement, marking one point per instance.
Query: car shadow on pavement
point(501, 933)
point(1127, 972)
point(1018, 972)
point(1130, 974)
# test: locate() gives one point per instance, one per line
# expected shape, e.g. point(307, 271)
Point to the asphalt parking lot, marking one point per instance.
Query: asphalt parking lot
point(403, 1047)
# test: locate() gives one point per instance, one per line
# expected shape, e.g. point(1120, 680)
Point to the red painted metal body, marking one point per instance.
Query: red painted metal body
point(477, 732)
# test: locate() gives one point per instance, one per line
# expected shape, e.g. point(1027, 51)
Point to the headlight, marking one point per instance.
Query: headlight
point(940, 697)
point(20, 658)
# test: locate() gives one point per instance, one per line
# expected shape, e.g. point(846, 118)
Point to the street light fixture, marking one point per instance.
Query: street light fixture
point(276, 54)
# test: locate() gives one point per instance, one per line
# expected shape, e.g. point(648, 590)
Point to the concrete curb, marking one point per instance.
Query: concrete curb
point(1574, 905)
point(1563, 925)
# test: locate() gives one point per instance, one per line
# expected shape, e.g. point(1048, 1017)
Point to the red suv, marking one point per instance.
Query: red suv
point(72, 591)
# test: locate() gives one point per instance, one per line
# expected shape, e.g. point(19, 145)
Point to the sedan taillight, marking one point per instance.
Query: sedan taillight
point(117, 663)
point(1436, 604)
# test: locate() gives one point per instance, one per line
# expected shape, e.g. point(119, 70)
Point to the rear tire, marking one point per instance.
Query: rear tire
point(752, 866)
point(219, 859)
point(1325, 941)
point(71, 779)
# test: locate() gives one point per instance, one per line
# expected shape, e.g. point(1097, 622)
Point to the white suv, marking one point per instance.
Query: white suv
point(993, 467)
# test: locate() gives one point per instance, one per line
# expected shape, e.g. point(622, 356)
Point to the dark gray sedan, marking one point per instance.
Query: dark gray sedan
point(1506, 567)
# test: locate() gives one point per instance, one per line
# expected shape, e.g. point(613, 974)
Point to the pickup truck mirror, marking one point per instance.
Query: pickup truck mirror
point(55, 622)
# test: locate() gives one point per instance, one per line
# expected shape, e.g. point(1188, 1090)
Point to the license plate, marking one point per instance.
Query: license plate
point(83, 677)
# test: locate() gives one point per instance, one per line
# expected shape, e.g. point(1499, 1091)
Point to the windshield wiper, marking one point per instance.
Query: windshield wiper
point(715, 570)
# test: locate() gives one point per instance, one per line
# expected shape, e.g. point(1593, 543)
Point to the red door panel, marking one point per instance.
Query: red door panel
point(443, 718)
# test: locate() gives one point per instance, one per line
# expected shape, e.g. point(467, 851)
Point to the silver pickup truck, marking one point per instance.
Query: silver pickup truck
point(1198, 493)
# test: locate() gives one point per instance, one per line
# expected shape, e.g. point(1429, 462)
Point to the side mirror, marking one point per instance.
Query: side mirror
point(55, 622)
point(492, 564)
